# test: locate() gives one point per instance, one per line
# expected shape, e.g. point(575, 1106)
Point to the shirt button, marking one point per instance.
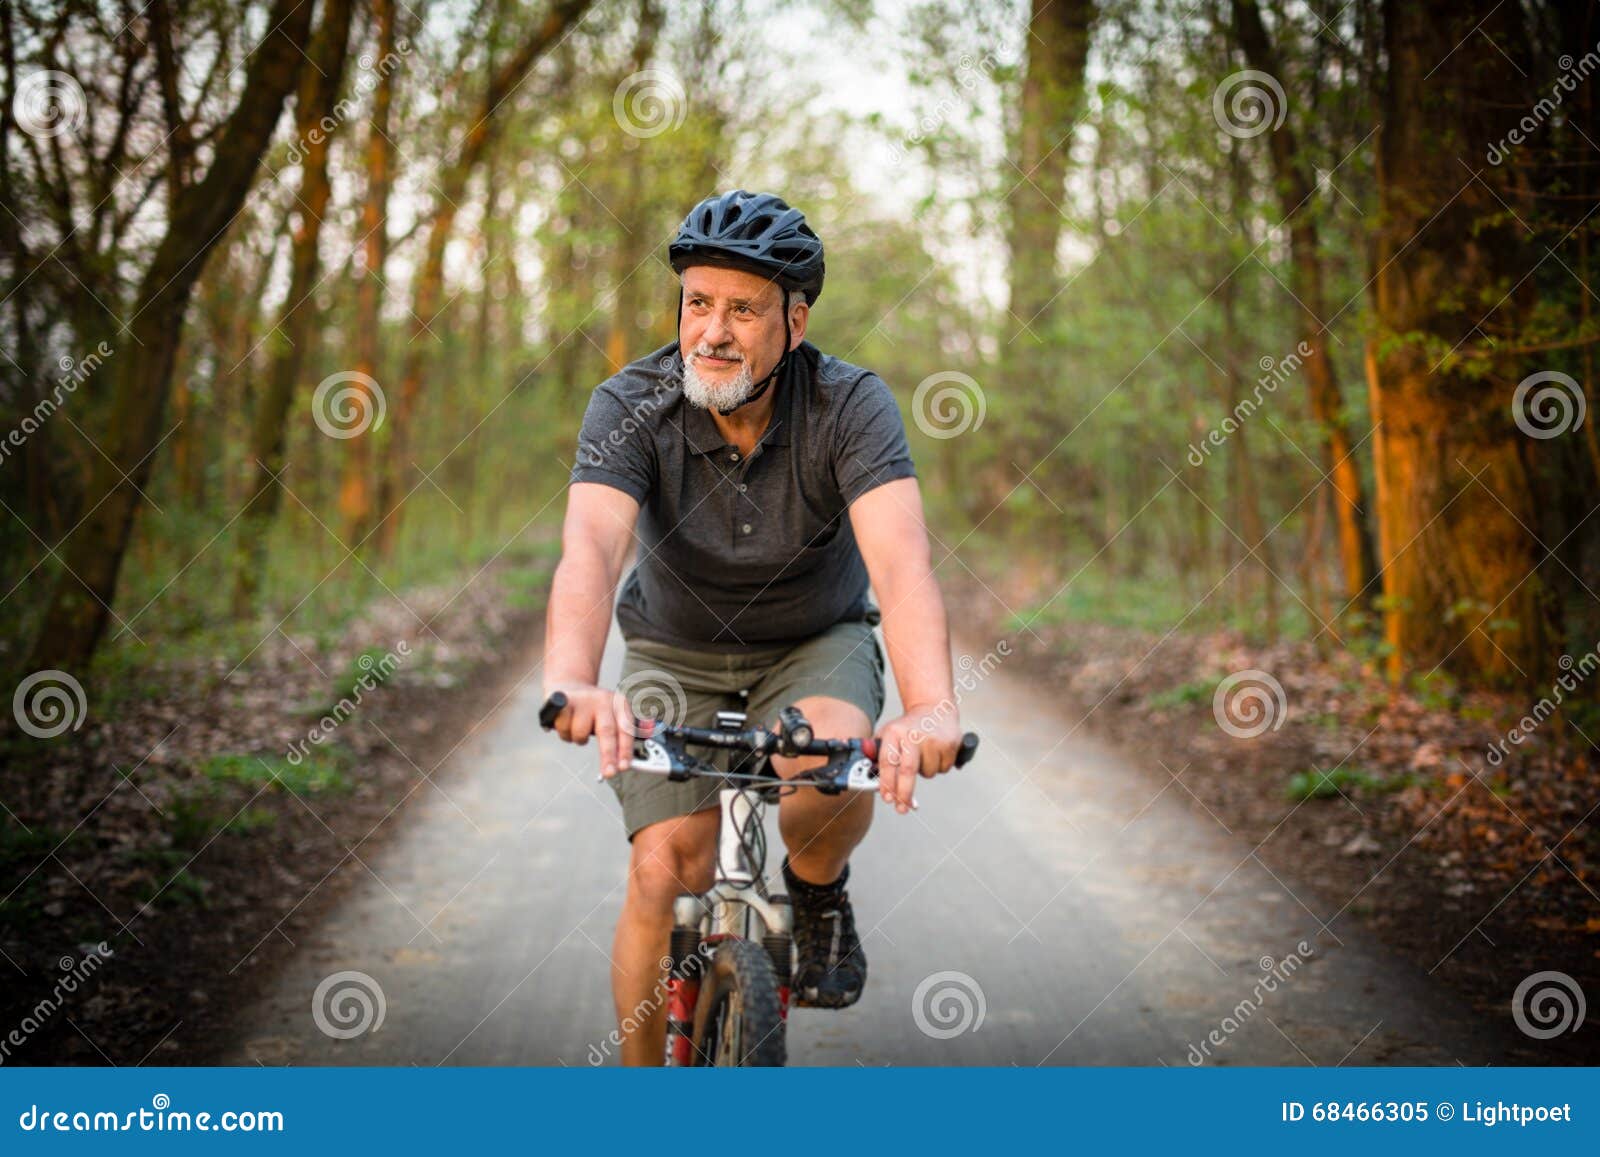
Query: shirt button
point(743, 488)
point(745, 529)
point(734, 457)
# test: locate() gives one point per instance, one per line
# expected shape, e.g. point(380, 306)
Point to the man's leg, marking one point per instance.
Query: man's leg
point(668, 858)
point(819, 830)
point(836, 679)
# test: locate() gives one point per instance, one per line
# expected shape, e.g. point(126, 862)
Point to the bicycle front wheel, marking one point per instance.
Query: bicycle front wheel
point(739, 1018)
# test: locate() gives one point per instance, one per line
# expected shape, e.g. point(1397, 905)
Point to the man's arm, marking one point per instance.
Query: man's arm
point(893, 538)
point(595, 541)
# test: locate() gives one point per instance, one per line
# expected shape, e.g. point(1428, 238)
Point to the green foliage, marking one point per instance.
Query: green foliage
point(324, 768)
point(1183, 695)
point(1318, 784)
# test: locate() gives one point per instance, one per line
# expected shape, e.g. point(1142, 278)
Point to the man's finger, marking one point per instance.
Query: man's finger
point(606, 730)
point(888, 765)
point(582, 724)
point(623, 711)
point(906, 782)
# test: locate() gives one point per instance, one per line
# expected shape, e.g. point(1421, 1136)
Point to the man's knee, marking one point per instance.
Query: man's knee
point(830, 719)
point(672, 857)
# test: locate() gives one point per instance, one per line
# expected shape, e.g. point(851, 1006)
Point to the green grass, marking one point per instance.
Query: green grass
point(1183, 695)
point(355, 680)
point(1153, 603)
point(1437, 692)
point(323, 770)
point(178, 583)
point(527, 587)
point(250, 820)
point(1318, 784)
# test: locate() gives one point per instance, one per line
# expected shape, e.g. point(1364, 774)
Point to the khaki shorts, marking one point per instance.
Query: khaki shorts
point(689, 688)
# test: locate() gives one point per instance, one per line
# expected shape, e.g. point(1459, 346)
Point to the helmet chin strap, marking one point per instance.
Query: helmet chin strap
point(765, 383)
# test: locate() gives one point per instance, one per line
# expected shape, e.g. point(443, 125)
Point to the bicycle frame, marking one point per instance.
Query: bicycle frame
point(736, 905)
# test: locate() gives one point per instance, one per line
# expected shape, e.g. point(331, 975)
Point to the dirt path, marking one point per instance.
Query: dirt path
point(1071, 897)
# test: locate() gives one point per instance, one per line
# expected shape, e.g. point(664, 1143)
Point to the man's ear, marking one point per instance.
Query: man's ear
point(798, 313)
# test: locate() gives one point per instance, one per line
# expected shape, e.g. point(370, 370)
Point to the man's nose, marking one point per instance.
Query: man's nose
point(717, 331)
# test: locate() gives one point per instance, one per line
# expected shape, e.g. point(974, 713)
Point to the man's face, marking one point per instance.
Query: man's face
point(731, 333)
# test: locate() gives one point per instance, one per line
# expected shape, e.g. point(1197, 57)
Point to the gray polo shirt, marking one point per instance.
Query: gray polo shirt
point(734, 551)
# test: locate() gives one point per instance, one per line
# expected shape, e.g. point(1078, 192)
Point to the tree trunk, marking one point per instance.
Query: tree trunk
point(314, 108)
point(92, 558)
point(355, 487)
point(1460, 569)
point(452, 186)
point(1295, 193)
point(1052, 97)
point(622, 341)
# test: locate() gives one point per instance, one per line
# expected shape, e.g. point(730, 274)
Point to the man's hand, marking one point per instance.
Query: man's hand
point(924, 741)
point(604, 714)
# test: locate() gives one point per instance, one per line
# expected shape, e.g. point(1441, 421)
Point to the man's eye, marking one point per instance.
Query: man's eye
point(742, 310)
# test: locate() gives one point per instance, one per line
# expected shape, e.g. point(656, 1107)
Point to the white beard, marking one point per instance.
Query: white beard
point(712, 395)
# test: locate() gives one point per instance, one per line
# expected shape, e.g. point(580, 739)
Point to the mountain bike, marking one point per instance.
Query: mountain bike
point(732, 950)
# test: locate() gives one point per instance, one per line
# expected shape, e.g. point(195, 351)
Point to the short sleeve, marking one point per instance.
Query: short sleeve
point(614, 447)
point(870, 448)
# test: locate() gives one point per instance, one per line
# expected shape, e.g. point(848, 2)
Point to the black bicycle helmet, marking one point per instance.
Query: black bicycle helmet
point(758, 232)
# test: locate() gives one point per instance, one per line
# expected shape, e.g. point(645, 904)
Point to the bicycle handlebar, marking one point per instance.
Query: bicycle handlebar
point(756, 741)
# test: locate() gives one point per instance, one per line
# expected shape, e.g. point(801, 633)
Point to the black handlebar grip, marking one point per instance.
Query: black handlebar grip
point(969, 748)
point(553, 707)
